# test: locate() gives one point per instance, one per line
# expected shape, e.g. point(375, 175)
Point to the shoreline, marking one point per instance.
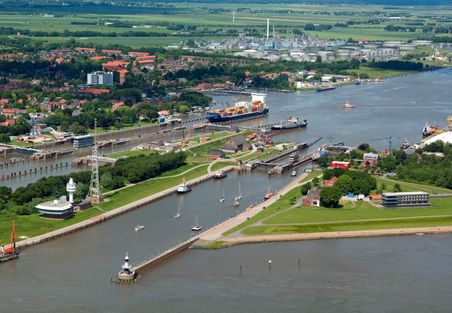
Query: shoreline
point(232, 241)
point(113, 213)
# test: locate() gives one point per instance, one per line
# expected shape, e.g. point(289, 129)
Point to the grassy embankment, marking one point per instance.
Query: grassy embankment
point(379, 73)
point(283, 217)
point(355, 216)
point(33, 225)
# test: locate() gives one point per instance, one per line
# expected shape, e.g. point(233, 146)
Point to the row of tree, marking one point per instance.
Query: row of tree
point(131, 170)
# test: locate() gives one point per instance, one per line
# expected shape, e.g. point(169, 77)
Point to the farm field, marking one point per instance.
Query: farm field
point(214, 16)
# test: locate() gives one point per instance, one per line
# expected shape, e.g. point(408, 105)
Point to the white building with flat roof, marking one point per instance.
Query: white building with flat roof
point(100, 78)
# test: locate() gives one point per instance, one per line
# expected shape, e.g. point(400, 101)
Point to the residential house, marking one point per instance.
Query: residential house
point(235, 144)
point(329, 182)
point(312, 198)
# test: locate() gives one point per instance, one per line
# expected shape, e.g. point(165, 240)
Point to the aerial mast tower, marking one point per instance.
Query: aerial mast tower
point(94, 193)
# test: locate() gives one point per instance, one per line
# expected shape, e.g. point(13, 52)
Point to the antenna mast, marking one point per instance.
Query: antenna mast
point(94, 193)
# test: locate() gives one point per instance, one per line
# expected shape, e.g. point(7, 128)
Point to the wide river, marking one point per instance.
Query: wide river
point(391, 274)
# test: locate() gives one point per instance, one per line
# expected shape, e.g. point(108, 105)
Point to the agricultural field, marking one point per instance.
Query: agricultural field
point(208, 17)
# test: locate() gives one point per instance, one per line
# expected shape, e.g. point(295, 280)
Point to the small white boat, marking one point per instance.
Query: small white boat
point(239, 197)
point(178, 213)
point(236, 203)
point(196, 227)
point(294, 173)
point(183, 188)
point(222, 199)
point(139, 227)
point(347, 105)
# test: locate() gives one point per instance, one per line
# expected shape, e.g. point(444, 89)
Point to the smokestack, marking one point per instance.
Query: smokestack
point(268, 30)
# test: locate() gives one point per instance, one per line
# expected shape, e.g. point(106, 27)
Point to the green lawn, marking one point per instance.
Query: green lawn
point(147, 188)
point(130, 153)
point(33, 225)
point(356, 211)
point(348, 226)
point(379, 73)
point(222, 164)
point(407, 186)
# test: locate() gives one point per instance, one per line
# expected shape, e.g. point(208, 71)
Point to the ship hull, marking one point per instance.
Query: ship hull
point(217, 118)
point(8, 257)
point(288, 127)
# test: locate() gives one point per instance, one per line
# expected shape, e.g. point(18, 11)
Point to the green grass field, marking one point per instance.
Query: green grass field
point(357, 211)
point(130, 153)
point(147, 188)
point(33, 225)
point(407, 186)
point(285, 18)
point(379, 73)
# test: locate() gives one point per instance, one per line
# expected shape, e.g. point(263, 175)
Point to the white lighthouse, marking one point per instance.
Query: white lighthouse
point(70, 188)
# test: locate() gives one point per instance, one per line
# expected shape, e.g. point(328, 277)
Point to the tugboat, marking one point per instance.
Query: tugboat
point(10, 253)
point(127, 273)
point(291, 123)
point(183, 188)
point(220, 175)
point(405, 144)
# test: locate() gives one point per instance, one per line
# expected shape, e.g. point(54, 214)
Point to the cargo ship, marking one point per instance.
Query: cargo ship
point(241, 110)
point(291, 123)
point(325, 88)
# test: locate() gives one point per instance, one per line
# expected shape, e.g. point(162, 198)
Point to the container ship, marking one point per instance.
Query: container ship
point(291, 123)
point(241, 110)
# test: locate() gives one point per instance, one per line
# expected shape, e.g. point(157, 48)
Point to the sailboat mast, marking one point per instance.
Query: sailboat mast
point(13, 236)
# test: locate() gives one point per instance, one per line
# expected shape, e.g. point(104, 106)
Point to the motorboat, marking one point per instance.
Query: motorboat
point(183, 188)
point(196, 227)
point(139, 227)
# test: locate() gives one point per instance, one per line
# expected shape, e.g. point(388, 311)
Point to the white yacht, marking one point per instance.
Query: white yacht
point(183, 188)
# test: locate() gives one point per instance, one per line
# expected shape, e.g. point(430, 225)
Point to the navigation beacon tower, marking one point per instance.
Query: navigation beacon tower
point(70, 188)
point(94, 193)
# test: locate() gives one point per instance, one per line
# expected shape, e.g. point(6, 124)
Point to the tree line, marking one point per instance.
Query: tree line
point(130, 170)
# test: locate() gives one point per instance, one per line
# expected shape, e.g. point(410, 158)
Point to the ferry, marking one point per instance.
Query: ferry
point(241, 110)
point(291, 123)
point(325, 88)
point(10, 253)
